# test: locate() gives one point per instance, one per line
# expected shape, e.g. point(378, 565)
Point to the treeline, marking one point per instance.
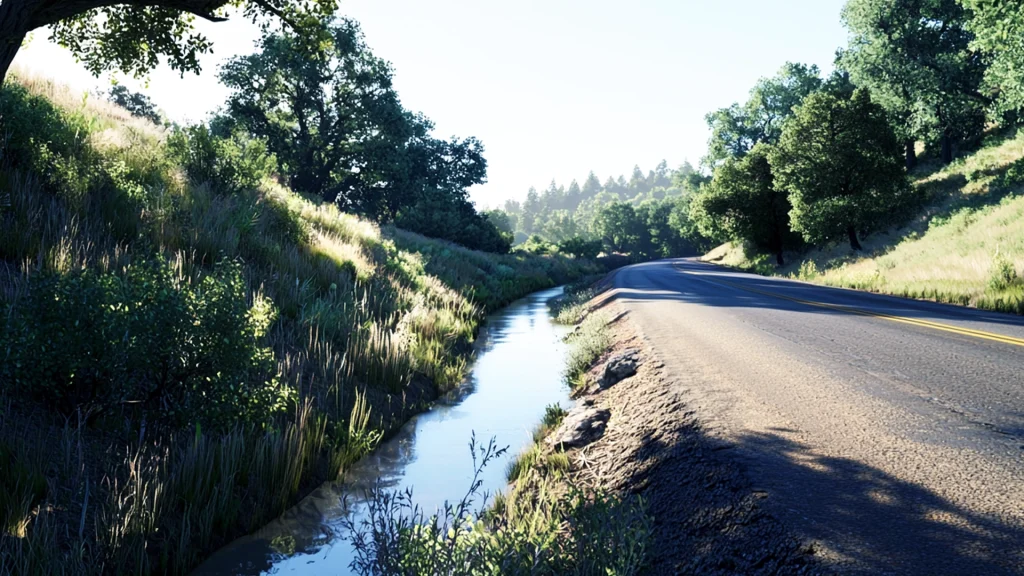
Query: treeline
point(813, 160)
point(646, 216)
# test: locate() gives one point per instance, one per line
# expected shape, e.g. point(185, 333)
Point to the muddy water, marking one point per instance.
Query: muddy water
point(517, 372)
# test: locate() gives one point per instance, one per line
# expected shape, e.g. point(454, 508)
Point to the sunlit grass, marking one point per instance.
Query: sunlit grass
point(966, 248)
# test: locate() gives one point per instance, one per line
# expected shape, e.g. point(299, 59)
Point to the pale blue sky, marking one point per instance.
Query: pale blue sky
point(553, 89)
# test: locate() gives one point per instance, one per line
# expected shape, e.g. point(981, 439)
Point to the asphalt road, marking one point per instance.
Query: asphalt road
point(888, 432)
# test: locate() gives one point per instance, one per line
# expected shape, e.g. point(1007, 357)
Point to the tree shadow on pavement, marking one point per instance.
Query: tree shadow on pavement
point(715, 521)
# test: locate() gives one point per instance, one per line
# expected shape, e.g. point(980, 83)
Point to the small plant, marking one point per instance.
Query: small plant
point(542, 527)
point(585, 346)
point(808, 270)
point(1003, 274)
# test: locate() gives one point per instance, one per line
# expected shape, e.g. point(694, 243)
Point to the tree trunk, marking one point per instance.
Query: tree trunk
point(778, 258)
point(14, 24)
point(947, 148)
point(911, 154)
point(854, 243)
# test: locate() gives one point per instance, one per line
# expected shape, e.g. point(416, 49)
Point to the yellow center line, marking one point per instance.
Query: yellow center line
point(850, 310)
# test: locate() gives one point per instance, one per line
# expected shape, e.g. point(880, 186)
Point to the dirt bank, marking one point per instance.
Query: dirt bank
point(708, 517)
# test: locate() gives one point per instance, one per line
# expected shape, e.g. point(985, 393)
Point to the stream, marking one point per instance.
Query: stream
point(517, 372)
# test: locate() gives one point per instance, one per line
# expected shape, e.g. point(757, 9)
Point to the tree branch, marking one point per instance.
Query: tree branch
point(47, 12)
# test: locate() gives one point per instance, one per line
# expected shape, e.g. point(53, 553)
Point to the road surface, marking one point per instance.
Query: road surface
point(889, 432)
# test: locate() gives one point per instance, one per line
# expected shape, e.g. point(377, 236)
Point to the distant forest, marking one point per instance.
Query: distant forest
point(646, 215)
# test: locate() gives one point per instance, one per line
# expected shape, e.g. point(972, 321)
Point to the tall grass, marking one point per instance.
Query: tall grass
point(365, 318)
point(586, 345)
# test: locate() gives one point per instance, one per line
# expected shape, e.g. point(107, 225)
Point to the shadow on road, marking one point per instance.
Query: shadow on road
point(711, 285)
point(707, 510)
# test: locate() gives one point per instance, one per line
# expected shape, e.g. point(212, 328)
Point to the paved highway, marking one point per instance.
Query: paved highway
point(888, 432)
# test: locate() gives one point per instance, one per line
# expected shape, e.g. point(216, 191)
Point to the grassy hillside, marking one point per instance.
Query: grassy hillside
point(180, 360)
point(966, 248)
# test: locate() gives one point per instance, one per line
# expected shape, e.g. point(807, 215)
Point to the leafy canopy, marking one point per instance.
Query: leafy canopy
point(736, 129)
point(916, 58)
point(998, 26)
point(743, 202)
point(134, 36)
point(840, 162)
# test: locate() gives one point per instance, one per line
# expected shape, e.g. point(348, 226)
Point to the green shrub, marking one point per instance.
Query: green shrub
point(230, 165)
point(190, 352)
point(1003, 274)
point(580, 247)
point(40, 138)
point(537, 246)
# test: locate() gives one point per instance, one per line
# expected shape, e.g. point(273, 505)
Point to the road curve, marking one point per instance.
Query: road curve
point(889, 432)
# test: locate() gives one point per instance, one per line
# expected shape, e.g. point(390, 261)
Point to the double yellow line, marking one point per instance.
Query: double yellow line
point(849, 310)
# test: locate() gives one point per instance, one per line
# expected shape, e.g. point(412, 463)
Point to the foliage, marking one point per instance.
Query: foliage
point(192, 352)
point(998, 26)
point(839, 160)
point(965, 249)
point(571, 306)
point(916, 58)
point(328, 111)
point(737, 129)
point(537, 246)
point(135, 102)
point(229, 164)
point(619, 227)
point(539, 529)
point(135, 36)
point(586, 345)
point(573, 216)
point(742, 202)
point(579, 247)
point(94, 209)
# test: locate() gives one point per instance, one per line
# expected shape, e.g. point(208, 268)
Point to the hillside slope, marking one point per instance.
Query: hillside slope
point(966, 247)
point(182, 359)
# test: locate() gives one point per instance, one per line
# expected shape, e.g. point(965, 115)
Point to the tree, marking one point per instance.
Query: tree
point(619, 228)
point(744, 203)
point(133, 36)
point(136, 103)
point(916, 57)
point(840, 161)
point(998, 26)
point(737, 129)
point(591, 186)
point(329, 113)
point(580, 247)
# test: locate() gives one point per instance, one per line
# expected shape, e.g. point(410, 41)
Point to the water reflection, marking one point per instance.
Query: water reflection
point(516, 374)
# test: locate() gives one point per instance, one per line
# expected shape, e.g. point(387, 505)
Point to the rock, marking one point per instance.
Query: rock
point(581, 426)
point(619, 367)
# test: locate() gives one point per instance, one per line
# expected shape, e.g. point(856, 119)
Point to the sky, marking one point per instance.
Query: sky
point(554, 88)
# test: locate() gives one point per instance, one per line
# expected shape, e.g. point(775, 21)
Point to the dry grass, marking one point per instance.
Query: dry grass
point(966, 248)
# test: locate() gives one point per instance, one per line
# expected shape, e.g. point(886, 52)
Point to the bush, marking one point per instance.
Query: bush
point(455, 220)
point(537, 246)
point(1003, 274)
point(580, 247)
point(40, 138)
point(188, 352)
point(230, 165)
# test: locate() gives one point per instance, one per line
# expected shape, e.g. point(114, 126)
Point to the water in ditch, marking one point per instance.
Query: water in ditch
point(517, 372)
